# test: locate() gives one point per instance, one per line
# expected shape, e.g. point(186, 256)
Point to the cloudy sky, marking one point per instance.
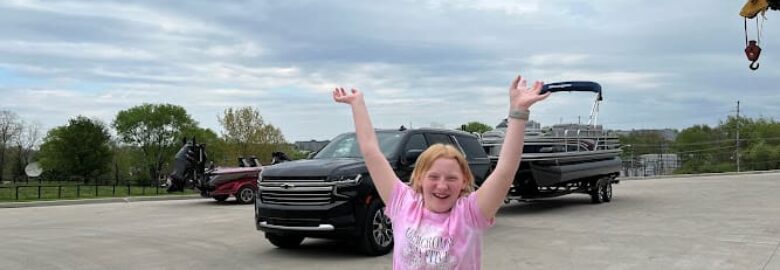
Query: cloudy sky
point(662, 64)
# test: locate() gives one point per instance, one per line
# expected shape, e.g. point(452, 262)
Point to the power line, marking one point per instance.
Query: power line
point(683, 144)
point(704, 150)
point(712, 142)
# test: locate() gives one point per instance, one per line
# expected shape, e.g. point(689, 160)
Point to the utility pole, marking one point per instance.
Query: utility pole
point(660, 163)
point(737, 136)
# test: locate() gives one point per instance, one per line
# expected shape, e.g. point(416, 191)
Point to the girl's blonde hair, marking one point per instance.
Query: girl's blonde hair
point(434, 152)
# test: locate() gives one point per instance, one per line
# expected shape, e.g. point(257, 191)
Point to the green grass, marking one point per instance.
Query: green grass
point(59, 191)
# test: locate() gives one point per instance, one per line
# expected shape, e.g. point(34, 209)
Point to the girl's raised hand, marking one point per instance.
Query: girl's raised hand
point(522, 97)
point(342, 96)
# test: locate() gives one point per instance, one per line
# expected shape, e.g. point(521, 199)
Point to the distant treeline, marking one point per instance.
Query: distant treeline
point(147, 138)
point(705, 149)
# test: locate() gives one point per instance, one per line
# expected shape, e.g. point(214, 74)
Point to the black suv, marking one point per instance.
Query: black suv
point(331, 195)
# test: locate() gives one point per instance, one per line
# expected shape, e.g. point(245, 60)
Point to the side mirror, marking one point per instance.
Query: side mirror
point(311, 155)
point(411, 156)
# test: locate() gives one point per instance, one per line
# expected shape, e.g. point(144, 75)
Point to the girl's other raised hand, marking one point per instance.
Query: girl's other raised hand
point(348, 97)
point(522, 97)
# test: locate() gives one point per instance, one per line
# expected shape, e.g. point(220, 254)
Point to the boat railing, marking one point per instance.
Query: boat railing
point(562, 141)
point(600, 140)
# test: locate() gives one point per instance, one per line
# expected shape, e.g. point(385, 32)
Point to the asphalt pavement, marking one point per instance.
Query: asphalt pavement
point(705, 222)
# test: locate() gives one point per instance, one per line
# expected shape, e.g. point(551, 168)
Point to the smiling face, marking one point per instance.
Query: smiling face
point(441, 175)
point(442, 185)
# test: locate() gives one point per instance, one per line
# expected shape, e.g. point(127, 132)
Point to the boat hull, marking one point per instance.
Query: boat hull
point(545, 175)
point(221, 176)
point(551, 169)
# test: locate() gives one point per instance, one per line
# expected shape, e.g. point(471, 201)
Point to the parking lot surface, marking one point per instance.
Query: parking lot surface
point(712, 222)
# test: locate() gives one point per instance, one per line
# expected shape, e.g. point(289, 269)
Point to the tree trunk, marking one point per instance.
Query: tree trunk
point(116, 173)
point(152, 174)
point(2, 163)
point(21, 163)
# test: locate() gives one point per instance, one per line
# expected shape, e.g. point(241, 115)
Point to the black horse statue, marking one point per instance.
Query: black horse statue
point(188, 166)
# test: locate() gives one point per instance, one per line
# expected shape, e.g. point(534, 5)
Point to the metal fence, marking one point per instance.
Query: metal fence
point(651, 165)
point(44, 191)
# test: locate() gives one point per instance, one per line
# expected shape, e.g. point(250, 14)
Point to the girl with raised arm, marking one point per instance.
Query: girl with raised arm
point(437, 221)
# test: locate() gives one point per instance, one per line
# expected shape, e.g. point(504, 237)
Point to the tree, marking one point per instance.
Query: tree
point(157, 130)
point(125, 156)
point(10, 128)
point(249, 135)
point(79, 149)
point(703, 149)
point(475, 126)
point(762, 156)
point(759, 141)
point(216, 148)
point(25, 144)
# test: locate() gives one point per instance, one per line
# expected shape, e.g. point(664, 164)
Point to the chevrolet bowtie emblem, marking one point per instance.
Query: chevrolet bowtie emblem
point(287, 186)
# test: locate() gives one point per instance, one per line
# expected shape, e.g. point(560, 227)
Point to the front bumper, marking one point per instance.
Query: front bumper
point(332, 220)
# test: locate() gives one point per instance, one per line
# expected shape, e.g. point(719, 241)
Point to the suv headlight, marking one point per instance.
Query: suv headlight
point(348, 180)
point(259, 178)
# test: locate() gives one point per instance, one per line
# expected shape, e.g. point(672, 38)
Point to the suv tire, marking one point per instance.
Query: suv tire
point(377, 237)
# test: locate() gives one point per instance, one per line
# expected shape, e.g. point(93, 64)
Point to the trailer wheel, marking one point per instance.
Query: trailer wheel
point(245, 195)
point(284, 241)
point(377, 238)
point(220, 198)
point(607, 194)
point(596, 192)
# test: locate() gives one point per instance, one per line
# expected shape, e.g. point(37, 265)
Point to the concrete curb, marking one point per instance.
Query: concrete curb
point(101, 200)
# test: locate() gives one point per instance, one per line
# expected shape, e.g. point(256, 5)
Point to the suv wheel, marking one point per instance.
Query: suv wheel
point(245, 195)
point(377, 238)
point(284, 241)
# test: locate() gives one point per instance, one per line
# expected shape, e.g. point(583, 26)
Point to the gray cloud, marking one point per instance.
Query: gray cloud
point(662, 63)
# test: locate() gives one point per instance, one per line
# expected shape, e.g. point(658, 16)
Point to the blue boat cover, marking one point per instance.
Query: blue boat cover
point(573, 86)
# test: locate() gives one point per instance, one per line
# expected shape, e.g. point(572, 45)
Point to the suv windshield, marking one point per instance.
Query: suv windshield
point(346, 146)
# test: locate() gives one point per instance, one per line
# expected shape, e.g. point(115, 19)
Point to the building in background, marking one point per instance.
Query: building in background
point(667, 133)
point(650, 165)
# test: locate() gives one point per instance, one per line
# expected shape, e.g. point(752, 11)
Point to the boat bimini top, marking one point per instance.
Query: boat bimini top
point(579, 86)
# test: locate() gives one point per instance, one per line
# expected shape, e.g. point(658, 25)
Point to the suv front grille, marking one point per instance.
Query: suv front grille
point(296, 191)
point(269, 179)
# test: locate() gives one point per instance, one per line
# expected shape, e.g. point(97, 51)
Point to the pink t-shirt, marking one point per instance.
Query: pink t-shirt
point(428, 240)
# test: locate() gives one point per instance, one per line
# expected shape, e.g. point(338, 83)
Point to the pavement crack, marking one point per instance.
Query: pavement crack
point(771, 256)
